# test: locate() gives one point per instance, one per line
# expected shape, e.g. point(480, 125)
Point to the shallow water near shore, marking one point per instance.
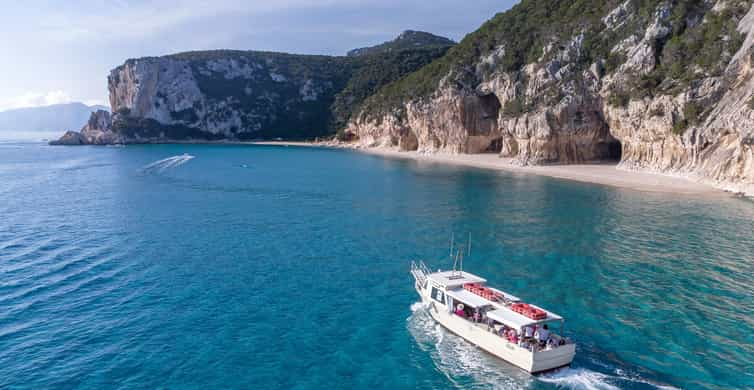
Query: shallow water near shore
point(209, 266)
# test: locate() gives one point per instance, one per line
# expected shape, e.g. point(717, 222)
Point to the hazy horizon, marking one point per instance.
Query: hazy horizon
point(62, 53)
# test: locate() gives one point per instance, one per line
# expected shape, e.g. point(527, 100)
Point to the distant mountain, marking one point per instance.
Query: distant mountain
point(57, 117)
point(408, 39)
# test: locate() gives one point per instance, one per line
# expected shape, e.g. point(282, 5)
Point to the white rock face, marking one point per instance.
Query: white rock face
point(155, 89)
point(570, 130)
point(226, 96)
point(577, 124)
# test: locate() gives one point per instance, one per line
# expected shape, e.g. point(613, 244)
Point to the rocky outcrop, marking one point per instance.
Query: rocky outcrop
point(628, 88)
point(493, 117)
point(701, 131)
point(97, 131)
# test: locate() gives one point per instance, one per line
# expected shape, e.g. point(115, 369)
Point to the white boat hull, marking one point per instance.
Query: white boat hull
point(533, 362)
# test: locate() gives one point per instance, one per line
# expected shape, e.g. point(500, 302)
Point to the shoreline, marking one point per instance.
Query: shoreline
point(602, 174)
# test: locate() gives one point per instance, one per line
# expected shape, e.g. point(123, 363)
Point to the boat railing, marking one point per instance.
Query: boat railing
point(420, 271)
point(530, 344)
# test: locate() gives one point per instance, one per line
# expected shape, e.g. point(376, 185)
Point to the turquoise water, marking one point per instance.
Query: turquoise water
point(274, 267)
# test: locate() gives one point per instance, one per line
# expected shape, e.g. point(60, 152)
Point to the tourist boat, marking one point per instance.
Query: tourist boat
point(490, 309)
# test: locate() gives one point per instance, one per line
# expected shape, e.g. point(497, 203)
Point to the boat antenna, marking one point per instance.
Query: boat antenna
point(452, 236)
point(460, 254)
point(469, 250)
point(458, 261)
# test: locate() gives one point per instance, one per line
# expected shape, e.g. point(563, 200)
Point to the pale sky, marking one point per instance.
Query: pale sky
point(59, 51)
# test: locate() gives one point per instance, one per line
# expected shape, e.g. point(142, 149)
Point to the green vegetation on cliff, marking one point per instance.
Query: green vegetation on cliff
point(698, 43)
point(408, 40)
point(260, 95)
point(522, 31)
point(374, 71)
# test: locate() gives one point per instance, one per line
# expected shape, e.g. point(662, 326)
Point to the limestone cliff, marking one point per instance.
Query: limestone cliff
point(243, 95)
point(225, 95)
point(662, 86)
point(655, 85)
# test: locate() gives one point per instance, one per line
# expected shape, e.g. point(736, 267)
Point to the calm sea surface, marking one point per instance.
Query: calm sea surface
point(276, 268)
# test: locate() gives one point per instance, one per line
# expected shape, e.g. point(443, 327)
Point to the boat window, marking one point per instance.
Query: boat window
point(438, 295)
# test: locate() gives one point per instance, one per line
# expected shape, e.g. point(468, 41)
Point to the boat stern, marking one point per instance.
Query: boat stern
point(551, 359)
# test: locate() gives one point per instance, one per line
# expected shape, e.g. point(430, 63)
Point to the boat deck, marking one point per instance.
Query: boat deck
point(484, 327)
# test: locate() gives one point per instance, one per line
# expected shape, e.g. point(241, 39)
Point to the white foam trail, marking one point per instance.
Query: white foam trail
point(579, 378)
point(167, 163)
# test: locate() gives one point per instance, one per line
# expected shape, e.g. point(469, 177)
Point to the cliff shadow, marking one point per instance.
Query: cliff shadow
point(408, 141)
point(479, 115)
point(495, 146)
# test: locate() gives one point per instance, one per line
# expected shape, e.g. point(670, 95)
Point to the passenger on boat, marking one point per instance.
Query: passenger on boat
point(513, 336)
point(459, 311)
point(477, 315)
point(543, 334)
point(528, 331)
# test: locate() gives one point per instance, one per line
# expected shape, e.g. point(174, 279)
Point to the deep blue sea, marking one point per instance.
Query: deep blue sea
point(267, 267)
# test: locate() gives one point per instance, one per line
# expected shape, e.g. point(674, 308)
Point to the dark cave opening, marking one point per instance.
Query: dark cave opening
point(490, 106)
point(612, 150)
point(495, 146)
point(408, 141)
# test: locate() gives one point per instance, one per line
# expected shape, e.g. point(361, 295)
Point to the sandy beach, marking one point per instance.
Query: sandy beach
point(606, 174)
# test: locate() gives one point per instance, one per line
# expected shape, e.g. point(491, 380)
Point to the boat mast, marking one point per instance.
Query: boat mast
point(458, 255)
point(452, 236)
point(468, 251)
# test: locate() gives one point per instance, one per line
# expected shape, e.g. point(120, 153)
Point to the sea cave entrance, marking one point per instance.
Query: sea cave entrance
point(615, 151)
point(495, 146)
point(490, 106)
point(408, 142)
point(611, 150)
point(479, 114)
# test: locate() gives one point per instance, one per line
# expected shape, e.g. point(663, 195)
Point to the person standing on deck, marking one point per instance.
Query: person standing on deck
point(528, 331)
point(543, 334)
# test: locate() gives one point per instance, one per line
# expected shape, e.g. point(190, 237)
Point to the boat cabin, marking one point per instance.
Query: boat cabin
point(466, 295)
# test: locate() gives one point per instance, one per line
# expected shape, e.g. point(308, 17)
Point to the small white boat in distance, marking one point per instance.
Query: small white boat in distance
point(494, 320)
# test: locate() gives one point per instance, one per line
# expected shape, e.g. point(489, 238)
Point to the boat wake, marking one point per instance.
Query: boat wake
point(460, 362)
point(167, 163)
point(581, 378)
